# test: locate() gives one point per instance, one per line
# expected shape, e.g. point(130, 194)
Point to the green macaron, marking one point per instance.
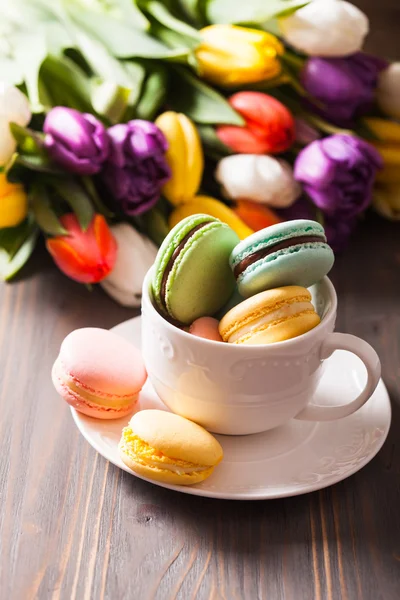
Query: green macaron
point(192, 277)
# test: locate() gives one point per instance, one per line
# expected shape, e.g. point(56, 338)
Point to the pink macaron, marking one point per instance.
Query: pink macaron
point(99, 373)
point(207, 328)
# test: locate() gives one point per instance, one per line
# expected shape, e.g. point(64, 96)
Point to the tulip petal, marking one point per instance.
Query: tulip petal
point(104, 238)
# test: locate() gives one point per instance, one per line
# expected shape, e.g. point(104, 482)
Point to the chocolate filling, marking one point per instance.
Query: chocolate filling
point(173, 258)
point(252, 258)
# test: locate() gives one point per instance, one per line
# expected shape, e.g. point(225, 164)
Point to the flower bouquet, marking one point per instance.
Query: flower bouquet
point(120, 118)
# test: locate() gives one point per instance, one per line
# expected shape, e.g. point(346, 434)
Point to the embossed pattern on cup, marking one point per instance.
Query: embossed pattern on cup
point(232, 389)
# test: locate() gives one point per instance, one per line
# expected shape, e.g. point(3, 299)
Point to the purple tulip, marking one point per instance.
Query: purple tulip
point(75, 140)
point(344, 86)
point(338, 173)
point(136, 169)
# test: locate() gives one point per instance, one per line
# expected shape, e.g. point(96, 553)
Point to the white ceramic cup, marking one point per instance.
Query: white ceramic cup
point(236, 389)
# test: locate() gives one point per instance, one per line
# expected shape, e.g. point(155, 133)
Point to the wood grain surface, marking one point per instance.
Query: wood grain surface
point(73, 526)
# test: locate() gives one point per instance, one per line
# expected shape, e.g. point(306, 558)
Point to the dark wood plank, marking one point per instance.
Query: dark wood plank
point(74, 526)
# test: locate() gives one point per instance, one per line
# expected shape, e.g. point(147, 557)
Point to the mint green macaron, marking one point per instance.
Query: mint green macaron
point(290, 253)
point(192, 277)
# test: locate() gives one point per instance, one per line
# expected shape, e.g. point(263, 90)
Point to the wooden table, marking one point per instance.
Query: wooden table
point(74, 526)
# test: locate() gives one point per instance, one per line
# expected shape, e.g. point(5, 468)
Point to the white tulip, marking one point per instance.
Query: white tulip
point(260, 178)
point(326, 28)
point(14, 108)
point(136, 253)
point(388, 90)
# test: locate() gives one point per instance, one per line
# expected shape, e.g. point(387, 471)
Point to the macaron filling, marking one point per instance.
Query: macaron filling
point(142, 453)
point(252, 258)
point(172, 260)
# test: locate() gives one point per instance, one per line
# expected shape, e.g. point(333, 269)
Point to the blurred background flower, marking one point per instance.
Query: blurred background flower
point(136, 168)
point(326, 28)
point(14, 108)
point(75, 140)
point(184, 157)
point(345, 87)
point(269, 126)
point(230, 56)
point(136, 253)
point(13, 203)
point(258, 178)
point(338, 173)
point(85, 256)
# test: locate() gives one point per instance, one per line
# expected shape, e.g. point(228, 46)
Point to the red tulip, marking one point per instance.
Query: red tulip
point(269, 125)
point(86, 256)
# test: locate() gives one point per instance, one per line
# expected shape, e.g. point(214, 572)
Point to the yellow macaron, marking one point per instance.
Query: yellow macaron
point(271, 316)
point(210, 206)
point(166, 447)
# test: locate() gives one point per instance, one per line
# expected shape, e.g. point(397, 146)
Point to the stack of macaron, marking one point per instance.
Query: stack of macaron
point(101, 375)
point(253, 291)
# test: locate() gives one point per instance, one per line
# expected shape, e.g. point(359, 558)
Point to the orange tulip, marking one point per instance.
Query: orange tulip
point(85, 256)
point(256, 216)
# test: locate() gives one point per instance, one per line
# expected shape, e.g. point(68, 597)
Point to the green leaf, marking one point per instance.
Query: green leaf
point(251, 12)
point(213, 146)
point(16, 246)
point(28, 140)
point(65, 76)
point(94, 196)
point(76, 196)
point(153, 94)
point(163, 16)
point(45, 216)
point(37, 163)
point(199, 101)
point(119, 38)
point(155, 225)
point(194, 10)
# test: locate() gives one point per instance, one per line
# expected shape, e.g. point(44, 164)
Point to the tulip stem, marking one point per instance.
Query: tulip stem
point(293, 60)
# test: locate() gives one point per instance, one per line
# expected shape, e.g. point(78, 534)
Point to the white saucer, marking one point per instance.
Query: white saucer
point(297, 458)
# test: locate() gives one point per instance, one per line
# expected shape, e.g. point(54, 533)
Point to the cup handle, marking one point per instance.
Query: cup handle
point(351, 343)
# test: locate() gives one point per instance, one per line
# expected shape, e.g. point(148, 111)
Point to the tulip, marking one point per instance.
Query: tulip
point(14, 108)
point(214, 208)
point(326, 28)
point(137, 167)
point(269, 125)
point(232, 56)
point(184, 157)
point(13, 203)
point(136, 254)
point(388, 147)
point(338, 173)
point(256, 216)
point(345, 87)
point(75, 140)
point(386, 200)
point(388, 91)
point(85, 256)
point(262, 179)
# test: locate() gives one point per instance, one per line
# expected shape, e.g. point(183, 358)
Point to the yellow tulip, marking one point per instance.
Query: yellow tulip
point(184, 157)
point(13, 203)
point(214, 208)
point(230, 56)
point(388, 146)
point(386, 200)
